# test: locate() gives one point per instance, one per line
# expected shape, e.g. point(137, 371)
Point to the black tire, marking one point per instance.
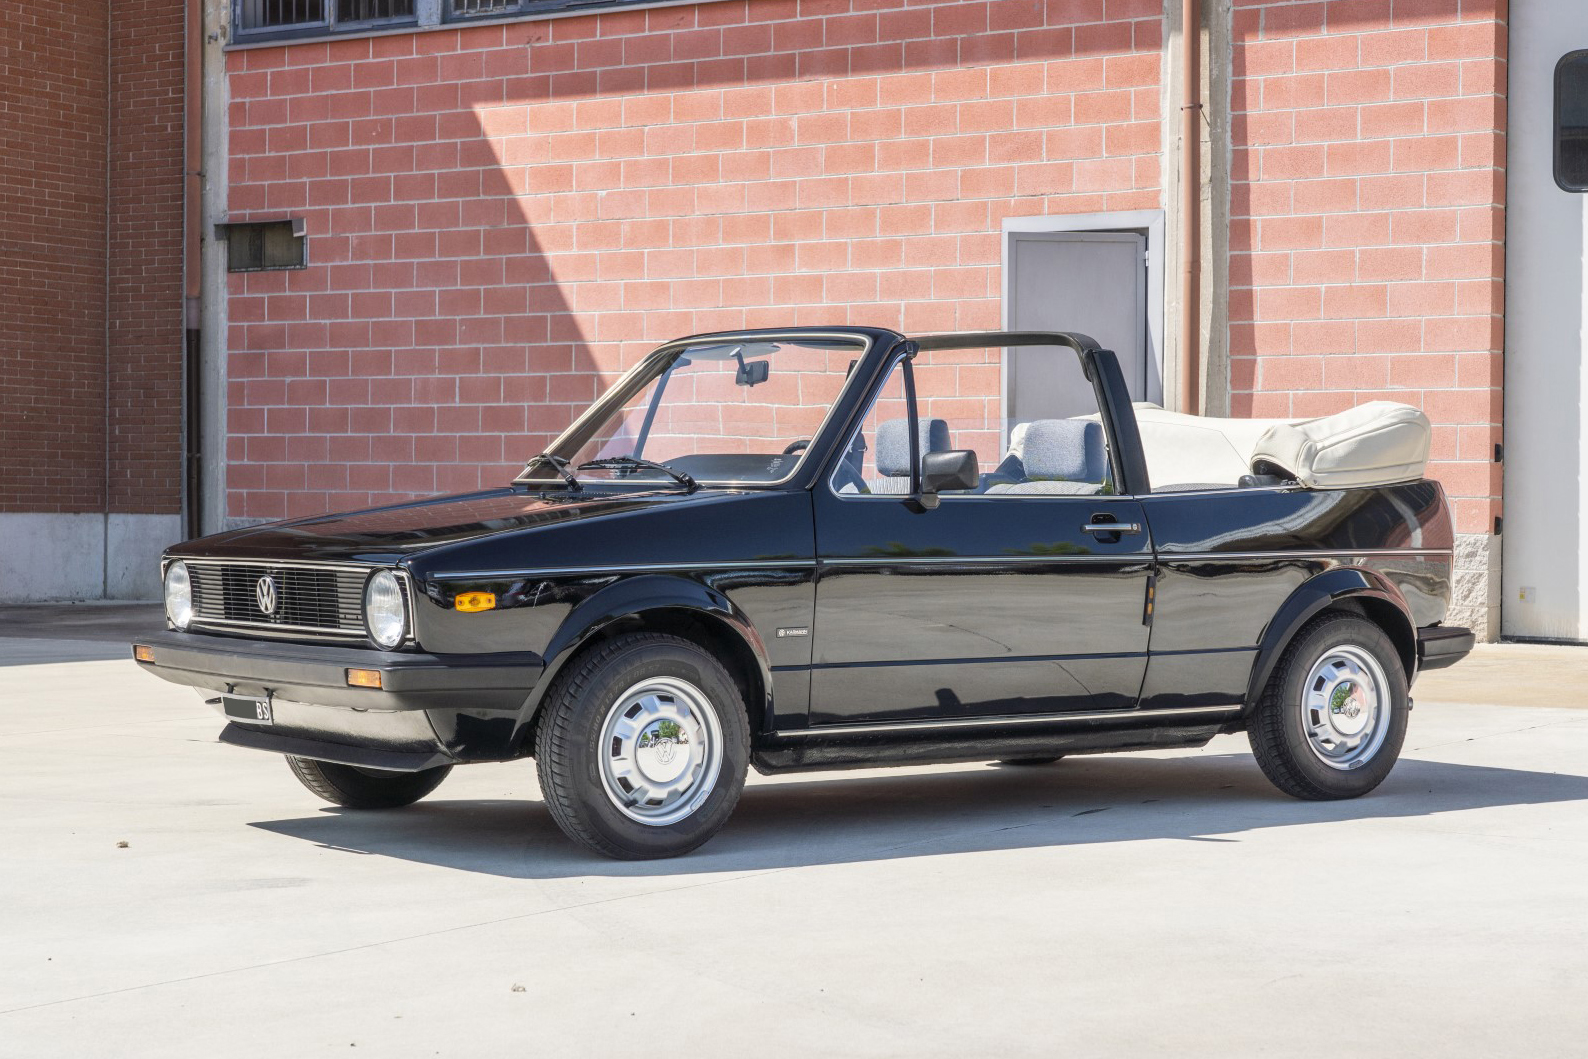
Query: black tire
point(354, 787)
point(570, 742)
point(1031, 762)
point(1296, 761)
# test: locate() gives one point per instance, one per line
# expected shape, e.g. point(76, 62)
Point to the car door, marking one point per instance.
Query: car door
point(1023, 596)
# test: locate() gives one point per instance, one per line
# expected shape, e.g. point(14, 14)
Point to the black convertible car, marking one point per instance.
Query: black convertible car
point(816, 548)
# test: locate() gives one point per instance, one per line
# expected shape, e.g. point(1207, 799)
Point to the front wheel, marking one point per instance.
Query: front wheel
point(354, 787)
point(1333, 716)
point(643, 747)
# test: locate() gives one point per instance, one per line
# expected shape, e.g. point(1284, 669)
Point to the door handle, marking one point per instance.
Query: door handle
point(1111, 527)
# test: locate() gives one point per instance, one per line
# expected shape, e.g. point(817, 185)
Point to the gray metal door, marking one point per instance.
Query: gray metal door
point(1091, 282)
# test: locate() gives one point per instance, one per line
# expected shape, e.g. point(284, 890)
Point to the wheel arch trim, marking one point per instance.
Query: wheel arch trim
point(1375, 595)
point(634, 597)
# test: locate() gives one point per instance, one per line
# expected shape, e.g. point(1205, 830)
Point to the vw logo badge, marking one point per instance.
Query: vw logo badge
point(265, 594)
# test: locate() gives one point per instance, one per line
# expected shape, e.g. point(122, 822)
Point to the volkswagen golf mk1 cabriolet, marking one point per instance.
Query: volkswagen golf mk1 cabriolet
point(817, 548)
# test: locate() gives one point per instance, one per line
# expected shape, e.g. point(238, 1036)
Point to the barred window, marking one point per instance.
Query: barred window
point(361, 11)
point(466, 9)
point(470, 8)
point(257, 19)
point(269, 20)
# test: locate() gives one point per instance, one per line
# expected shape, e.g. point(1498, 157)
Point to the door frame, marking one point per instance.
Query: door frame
point(1147, 223)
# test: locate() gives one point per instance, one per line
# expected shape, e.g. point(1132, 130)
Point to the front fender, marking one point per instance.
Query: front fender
point(1379, 597)
point(632, 597)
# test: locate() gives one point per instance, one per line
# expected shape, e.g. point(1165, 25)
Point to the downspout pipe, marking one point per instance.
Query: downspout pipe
point(192, 206)
point(1190, 206)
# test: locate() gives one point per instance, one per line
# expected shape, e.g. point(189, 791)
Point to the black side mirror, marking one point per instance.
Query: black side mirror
point(955, 469)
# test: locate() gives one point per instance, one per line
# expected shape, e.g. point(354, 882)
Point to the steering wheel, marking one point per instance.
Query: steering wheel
point(797, 446)
point(846, 475)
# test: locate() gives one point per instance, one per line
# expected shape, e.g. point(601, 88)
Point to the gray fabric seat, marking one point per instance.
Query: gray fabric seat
point(893, 452)
point(1059, 456)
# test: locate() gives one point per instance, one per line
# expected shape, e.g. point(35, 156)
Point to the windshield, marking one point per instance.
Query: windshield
point(719, 412)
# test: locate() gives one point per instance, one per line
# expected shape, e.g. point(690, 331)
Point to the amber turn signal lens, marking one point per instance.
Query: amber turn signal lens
point(143, 652)
point(363, 678)
point(473, 602)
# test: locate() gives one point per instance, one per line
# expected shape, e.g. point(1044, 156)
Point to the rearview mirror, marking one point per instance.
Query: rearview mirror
point(955, 469)
point(751, 372)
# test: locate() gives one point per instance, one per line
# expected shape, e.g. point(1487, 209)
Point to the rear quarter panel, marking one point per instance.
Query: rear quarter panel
point(1229, 560)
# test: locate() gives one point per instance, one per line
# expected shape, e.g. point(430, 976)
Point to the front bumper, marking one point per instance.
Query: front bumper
point(314, 674)
point(462, 707)
point(1439, 646)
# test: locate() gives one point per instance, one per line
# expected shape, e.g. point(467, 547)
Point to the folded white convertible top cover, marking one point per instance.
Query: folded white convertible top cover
point(1372, 444)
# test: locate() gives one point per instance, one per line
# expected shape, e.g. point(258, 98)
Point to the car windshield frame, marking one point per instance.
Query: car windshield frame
point(654, 365)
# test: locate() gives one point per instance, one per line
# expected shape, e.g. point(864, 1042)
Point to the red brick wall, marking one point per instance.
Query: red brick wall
point(1367, 236)
point(501, 217)
point(145, 261)
point(90, 222)
point(53, 107)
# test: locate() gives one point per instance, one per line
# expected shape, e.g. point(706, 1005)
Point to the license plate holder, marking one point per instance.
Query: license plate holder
point(250, 709)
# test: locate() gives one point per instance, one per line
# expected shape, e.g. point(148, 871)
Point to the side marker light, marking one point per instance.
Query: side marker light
point(474, 602)
point(363, 678)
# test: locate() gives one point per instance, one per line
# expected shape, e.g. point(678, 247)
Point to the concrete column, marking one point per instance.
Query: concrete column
point(213, 283)
point(1214, 346)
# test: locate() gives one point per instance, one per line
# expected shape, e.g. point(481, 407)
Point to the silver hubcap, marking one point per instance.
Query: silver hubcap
point(660, 751)
point(1345, 707)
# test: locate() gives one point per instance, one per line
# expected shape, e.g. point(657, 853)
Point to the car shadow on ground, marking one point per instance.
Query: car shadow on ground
point(46, 633)
point(833, 818)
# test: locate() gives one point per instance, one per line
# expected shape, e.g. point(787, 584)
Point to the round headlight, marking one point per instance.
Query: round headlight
point(178, 595)
point(383, 609)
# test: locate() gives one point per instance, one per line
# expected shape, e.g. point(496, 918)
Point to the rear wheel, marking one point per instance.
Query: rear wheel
point(354, 787)
point(643, 748)
point(1332, 719)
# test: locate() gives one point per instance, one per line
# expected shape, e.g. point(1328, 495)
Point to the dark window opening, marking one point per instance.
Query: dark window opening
point(1571, 122)
point(373, 10)
point(470, 8)
point(255, 21)
point(266, 245)
point(262, 19)
point(279, 14)
point(462, 9)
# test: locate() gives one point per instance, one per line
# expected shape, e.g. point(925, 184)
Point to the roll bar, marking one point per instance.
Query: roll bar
point(987, 339)
point(1102, 371)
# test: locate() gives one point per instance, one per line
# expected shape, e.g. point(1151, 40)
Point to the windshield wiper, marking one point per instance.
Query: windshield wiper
point(560, 465)
point(634, 463)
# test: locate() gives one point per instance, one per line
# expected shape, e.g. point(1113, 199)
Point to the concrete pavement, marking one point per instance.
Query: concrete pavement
point(1512, 674)
point(1108, 906)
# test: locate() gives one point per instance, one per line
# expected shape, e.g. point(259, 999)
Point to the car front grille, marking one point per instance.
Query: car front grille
point(311, 601)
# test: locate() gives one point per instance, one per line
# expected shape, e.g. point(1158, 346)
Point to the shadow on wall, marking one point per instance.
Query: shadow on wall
point(810, 820)
point(430, 348)
point(538, 210)
point(1364, 224)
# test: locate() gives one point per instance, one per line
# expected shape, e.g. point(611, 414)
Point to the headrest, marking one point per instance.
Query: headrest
point(1377, 443)
point(893, 444)
point(1062, 450)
